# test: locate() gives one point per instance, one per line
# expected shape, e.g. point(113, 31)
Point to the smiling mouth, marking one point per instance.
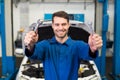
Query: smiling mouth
point(60, 31)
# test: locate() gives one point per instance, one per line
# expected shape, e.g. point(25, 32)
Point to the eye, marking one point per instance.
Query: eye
point(56, 24)
point(64, 24)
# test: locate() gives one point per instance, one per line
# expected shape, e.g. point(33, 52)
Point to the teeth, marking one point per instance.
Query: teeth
point(60, 31)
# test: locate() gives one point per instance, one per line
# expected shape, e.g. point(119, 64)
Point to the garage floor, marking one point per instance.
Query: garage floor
point(109, 68)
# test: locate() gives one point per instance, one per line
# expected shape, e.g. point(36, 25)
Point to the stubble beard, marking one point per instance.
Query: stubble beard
point(62, 36)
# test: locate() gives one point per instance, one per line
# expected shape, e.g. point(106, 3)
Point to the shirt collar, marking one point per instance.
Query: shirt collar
point(67, 42)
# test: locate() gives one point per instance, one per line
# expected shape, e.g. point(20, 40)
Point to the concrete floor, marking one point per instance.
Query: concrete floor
point(108, 68)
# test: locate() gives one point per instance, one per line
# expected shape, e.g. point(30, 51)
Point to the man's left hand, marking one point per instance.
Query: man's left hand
point(95, 42)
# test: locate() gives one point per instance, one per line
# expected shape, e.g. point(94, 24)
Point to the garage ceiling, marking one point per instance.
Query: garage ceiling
point(37, 1)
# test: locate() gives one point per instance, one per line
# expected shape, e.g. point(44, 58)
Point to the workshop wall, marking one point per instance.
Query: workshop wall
point(32, 12)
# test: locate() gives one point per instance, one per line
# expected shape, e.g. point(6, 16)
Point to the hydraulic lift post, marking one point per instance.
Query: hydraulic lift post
point(3, 39)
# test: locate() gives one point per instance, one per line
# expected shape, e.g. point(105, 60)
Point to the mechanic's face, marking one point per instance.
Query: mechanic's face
point(60, 27)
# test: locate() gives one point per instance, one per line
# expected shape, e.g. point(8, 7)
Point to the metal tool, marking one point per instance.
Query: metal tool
point(91, 28)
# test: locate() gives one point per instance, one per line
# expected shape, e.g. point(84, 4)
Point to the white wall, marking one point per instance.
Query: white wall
point(37, 11)
point(110, 34)
point(111, 20)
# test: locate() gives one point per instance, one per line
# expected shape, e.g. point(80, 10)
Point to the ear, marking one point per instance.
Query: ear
point(69, 24)
point(52, 25)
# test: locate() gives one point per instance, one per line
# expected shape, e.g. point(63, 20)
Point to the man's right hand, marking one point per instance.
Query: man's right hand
point(30, 39)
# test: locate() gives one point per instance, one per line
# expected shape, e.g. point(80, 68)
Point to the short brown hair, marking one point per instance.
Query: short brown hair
point(62, 14)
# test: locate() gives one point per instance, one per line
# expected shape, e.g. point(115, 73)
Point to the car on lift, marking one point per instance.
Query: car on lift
point(33, 69)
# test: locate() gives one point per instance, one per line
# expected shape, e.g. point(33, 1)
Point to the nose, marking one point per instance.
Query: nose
point(60, 26)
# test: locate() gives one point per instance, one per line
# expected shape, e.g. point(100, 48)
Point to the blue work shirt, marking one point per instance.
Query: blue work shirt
point(61, 61)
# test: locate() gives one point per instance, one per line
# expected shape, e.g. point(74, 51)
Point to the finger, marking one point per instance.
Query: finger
point(31, 33)
point(97, 39)
point(27, 41)
point(98, 45)
point(95, 36)
point(90, 40)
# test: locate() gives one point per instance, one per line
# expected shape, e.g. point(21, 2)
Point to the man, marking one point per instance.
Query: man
point(61, 55)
